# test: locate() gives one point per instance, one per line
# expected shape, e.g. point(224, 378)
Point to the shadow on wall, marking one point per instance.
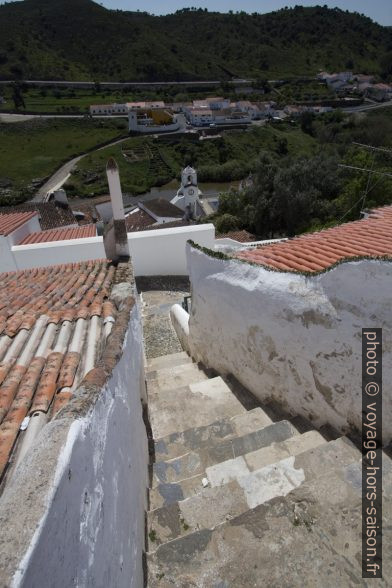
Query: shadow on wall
point(290, 338)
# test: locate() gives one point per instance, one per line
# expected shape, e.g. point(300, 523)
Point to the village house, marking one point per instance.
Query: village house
point(343, 76)
point(213, 103)
point(199, 116)
point(108, 109)
point(147, 105)
point(152, 120)
point(124, 464)
point(379, 92)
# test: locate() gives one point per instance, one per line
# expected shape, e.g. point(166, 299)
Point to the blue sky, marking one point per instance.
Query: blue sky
point(378, 10)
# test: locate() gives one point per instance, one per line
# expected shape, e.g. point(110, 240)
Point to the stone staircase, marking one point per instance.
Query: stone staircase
point(237, 500)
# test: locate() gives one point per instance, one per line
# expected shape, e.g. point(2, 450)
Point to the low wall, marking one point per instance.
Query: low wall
point(55, 252)
point(291, 338)
point(73, 514)
point(160, 252)
point(163, 251)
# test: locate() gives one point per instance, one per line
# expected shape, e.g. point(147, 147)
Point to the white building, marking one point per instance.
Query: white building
point(145, 105)
point(141, 121)
point(213, 102)
point(108, 109)
point(199, 116)
point(187, 197)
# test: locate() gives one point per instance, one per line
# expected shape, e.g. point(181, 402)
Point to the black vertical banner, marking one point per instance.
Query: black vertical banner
point(372, 453)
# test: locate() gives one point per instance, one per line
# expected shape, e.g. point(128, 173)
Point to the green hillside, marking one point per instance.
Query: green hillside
point(79, 39)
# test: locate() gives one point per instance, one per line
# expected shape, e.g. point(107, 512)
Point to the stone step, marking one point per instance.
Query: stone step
point(195, 462)
point(248, 489)
point(173, 377)
point(311, 537)
point(164, 361)
point(177, 444)
point(227, 471)
point(195, 405)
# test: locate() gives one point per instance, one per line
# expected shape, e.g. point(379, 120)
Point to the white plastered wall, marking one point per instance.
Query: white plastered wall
point(291, 338)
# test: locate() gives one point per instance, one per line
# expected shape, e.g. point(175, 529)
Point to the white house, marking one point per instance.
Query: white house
point(199, 116)
point(142, 121)
point(108, 109)
point(145, 105)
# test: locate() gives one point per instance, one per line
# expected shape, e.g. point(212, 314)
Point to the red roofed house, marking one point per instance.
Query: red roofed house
point(14, 227)
point(73, 445)
point(289, 317)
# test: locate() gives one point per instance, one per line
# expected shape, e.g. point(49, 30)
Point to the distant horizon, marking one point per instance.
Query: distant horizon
point(379, 11)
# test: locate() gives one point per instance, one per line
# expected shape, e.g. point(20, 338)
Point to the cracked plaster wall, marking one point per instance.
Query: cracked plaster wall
point(292, 338)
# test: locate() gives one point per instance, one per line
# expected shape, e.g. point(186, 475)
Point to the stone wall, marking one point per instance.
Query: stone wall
point(291, 338)
point(73, 513)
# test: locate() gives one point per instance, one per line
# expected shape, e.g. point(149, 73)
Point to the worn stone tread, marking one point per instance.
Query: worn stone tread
point(248, 488)
point(196, 462)
point(310, 538)
point(197, 404)
point(173, 377)
point(181, 442)
point(164, 361)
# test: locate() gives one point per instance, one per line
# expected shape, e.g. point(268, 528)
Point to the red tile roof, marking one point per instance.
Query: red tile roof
point(51, 214)
point(60, 234)
point(314, 252)
point(162, 208)
point(240, 236)
point(9, 222)
point(42, 353)
point(138, 221)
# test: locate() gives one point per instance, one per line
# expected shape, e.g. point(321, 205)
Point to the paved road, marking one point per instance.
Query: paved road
point(61, 175)
point(12, 118)
point(87, 84)
point(366, 107)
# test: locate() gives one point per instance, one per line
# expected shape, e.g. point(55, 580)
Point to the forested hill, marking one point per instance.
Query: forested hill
point(79, 39)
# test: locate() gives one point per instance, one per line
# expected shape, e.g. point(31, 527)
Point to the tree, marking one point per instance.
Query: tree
point(282, 146)
point(307, 119)
point(17, 96)
point(226, 223)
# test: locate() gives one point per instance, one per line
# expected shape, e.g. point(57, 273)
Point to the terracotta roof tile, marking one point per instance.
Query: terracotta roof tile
point(138, 221)
point(240, 236)
point(163, 208)
point(314, 252)
point(60, 234)
point(51, 215)
point(45, 320)
point(11, 221)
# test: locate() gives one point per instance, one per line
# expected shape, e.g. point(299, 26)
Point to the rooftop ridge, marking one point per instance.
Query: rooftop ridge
point(60, 234)
point(55, 322)
point(10, 221)
point(313, 253)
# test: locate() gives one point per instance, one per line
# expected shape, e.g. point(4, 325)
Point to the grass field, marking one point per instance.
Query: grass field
point(34, 149)
point(61, 101)
point(69, 100)
point(145, 162)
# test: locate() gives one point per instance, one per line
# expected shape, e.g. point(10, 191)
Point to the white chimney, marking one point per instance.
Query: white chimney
point(119, 226)
point(115, 189)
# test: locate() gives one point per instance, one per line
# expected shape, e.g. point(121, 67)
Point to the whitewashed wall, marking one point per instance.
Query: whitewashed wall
point(7, 261)
point(163, 251)
point(291, 338)
point(156, 252)
point(56, 252)
point(31, 226)
point(73, 515)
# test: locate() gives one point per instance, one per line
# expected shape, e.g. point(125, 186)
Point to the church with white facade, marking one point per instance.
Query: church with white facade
point(188, 195)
